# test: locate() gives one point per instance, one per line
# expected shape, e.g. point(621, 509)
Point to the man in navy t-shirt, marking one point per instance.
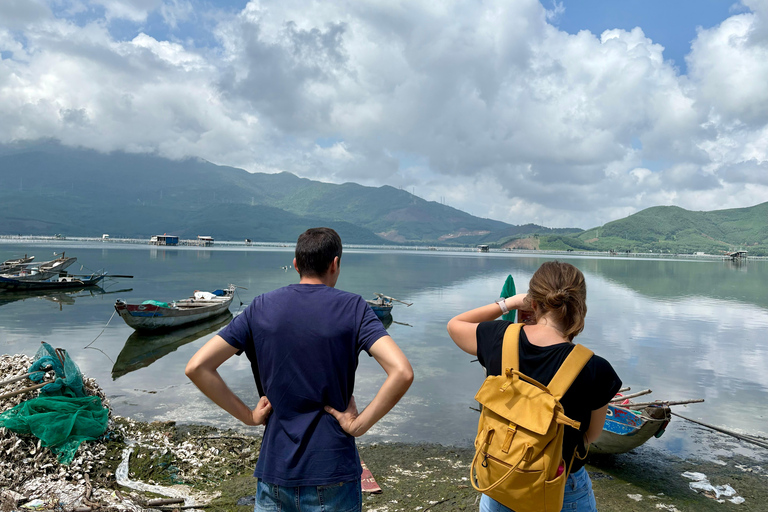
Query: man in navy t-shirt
point(303, 341)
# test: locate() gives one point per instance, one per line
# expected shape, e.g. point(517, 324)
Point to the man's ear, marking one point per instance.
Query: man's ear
point(294, 266)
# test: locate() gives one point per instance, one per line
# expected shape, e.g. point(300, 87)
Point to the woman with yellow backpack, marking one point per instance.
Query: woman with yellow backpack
point(544, 399)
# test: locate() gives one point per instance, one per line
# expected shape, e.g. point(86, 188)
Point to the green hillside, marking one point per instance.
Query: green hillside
point(671, 229)
point(49, 188)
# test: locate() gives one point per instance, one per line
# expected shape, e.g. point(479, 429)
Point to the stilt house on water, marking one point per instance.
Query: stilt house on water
point(164, 240)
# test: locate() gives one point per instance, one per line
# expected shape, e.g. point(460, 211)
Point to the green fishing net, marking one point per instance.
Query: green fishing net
point(62, 416)
point(60, 422)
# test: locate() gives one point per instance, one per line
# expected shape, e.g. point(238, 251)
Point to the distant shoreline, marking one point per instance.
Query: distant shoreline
point(192, 243)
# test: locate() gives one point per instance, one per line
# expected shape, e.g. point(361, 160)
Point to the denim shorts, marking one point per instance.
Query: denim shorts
point(343, 497)
point(578, 496)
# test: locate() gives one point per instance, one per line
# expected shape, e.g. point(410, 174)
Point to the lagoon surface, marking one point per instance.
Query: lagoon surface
point(685, 329)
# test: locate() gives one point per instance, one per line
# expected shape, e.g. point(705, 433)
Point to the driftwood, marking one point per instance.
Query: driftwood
point(758, 441)
point(633, 395)
point(165, 501)
point(640, 405)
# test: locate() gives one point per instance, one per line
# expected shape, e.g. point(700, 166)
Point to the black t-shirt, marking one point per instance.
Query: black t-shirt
point(593, 388)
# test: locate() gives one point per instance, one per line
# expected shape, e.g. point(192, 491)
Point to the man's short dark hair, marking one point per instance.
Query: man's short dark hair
point(315, 251)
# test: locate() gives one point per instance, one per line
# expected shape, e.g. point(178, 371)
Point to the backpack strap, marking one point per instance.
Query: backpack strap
point(569, 370)
point(510, 348)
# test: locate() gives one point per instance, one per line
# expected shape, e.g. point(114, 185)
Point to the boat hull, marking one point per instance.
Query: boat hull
point(68, 283)
point(142, 349)
point(149, 317)
point(625, 429)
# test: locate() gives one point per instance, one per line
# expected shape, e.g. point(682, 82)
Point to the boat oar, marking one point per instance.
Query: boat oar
point(662, 402)
point(120, 275)
point(394, 299)
point(759, 441)
point(633, 395)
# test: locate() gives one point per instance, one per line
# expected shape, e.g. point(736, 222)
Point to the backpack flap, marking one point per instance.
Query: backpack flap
point(527, 406)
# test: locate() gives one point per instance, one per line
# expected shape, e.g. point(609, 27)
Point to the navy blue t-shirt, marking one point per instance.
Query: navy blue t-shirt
point(306, 339)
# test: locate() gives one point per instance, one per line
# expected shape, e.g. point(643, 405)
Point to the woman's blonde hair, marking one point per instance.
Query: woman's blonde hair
point(559, 288)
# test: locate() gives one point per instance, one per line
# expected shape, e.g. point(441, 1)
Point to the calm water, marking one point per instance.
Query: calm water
point(686, 329)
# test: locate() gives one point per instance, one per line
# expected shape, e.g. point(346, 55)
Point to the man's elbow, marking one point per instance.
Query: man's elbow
point(192, 371)
point(405, 376)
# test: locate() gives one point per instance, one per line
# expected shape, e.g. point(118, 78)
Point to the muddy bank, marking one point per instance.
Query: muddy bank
point(215, 467)
point(133, 463)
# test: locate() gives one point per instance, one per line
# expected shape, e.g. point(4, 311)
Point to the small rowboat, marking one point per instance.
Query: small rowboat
point(63, 282)
point(382, 305)
point(142, 349)
point(152, 315)
point(625, 429)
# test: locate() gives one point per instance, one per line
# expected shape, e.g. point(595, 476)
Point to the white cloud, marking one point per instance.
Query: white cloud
point(486, 106)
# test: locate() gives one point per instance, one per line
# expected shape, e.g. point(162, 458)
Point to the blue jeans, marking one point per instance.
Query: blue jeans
point(578, 496)
point(344, 497)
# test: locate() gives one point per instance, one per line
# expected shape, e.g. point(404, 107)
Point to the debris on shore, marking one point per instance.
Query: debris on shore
point(137, 466)
point(124, 469)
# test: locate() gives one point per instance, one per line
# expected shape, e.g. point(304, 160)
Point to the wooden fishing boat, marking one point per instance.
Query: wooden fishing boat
point(625, 428)
point(30, 271)
point(13, 264)
point(382, 305)
point(141, 349)
point(62, 282)
point(153, 315)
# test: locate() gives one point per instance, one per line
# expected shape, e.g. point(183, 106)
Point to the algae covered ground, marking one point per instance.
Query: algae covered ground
point(432, 477)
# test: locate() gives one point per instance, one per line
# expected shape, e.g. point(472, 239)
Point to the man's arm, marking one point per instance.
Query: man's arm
point(202, 371)
point(399, 379)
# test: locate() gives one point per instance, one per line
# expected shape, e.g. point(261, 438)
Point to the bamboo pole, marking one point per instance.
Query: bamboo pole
point(15, 379)
point(662, 402)
point(24, 390)
point(759, 441)
point(633, 395)
point(624, 389)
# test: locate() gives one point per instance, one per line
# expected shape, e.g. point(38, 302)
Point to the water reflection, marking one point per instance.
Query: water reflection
point(62, 298)
point(141, 350)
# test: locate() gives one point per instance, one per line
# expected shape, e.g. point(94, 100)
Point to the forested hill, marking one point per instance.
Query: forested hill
point(676, 230)
point(50, 189)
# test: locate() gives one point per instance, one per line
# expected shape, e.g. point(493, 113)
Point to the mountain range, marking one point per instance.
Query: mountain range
point(53, 189)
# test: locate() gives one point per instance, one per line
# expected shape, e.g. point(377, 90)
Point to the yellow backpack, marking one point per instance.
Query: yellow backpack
point(519, 443)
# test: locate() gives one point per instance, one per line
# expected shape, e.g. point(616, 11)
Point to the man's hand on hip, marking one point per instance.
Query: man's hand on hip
point(262, 411)
point(348, 418)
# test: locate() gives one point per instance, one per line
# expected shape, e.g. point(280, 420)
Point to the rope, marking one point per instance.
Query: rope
point(97, 337)
point(759, 441)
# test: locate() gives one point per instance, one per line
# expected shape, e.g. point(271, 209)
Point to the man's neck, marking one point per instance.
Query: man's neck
point(315, 280)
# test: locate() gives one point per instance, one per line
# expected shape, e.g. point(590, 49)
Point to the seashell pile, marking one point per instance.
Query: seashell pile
point(177, 457)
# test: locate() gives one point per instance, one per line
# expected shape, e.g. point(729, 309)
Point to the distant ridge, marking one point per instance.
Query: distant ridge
point(675, 230)
point(50, 188)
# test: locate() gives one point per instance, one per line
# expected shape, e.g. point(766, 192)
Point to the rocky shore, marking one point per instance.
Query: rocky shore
point(175, 466)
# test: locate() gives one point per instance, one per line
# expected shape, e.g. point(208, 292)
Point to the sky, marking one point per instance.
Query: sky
point(560, 113)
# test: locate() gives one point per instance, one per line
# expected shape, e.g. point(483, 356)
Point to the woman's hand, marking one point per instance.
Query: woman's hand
point(518, 302)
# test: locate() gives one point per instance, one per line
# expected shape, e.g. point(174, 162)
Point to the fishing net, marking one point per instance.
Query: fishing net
point(156, 303)
point(60, 422)
point(69, 380)
point(62, 416)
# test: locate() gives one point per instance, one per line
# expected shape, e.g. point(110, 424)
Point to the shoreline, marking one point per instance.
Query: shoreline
point(231, 244)
point(215, 467)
